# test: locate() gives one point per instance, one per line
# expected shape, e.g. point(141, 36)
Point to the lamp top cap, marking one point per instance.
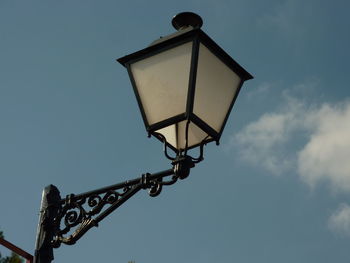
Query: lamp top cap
point(186, 19)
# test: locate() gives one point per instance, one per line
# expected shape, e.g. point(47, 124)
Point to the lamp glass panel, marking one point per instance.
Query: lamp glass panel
point(195, 135)
point(169, 133)
point(162, 82)
point(216, 86)
point(176, 135)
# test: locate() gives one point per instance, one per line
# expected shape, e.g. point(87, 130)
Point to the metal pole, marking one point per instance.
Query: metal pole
point(50, 204)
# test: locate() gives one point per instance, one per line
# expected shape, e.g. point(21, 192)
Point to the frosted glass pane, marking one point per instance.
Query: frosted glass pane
point(170, 134)
point(195, 135)
point(162, 82)
point(216, 86)
point(175, 135)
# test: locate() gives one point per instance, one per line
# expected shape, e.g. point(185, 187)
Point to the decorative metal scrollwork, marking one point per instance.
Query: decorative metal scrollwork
point(77, 214)
point(183, 153)
point(155, 187)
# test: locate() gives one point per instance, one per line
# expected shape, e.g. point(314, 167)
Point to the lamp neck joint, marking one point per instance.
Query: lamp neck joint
point(182, 166)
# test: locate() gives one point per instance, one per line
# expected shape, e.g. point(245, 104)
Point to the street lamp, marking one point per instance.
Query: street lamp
point(185, 86)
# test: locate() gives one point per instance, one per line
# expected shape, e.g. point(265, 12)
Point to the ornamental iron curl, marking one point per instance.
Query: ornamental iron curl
point(80, 213)
point(76, 214)
point(67, 220)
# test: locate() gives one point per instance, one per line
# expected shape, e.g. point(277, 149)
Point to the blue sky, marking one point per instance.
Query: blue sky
point(277, 189)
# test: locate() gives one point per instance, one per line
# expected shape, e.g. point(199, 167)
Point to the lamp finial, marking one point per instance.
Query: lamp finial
point(186, 19)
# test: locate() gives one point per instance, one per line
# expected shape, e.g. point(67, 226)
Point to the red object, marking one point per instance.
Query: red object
point(17, 250)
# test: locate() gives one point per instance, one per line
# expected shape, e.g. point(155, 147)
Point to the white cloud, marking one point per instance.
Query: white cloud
point(259, 91)
point(339, 222)
point(260, 138)
point(312, 141)
point(327, 154)
point(263, 142)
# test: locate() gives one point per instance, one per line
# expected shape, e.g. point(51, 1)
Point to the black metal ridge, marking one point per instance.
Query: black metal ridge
point(183, 37)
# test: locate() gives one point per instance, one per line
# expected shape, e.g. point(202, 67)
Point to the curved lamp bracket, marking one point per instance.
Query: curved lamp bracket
point(76, 214)
point(184, 152)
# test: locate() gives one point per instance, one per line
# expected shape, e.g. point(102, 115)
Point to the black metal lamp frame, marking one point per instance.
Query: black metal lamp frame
point(197, 37)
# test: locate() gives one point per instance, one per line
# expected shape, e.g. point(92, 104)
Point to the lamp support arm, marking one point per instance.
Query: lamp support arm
point(79, 213)
point(67, 220)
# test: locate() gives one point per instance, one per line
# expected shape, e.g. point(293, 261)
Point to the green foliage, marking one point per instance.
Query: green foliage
point(14, 258)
